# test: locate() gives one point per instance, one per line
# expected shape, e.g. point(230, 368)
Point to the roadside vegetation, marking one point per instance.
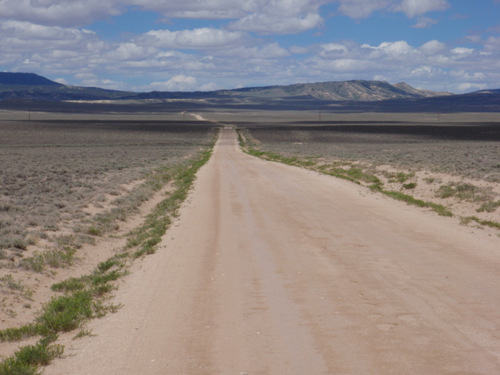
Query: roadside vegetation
point(407, 167)
point(152, 158)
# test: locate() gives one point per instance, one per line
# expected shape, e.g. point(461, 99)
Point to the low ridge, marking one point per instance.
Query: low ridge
point(25, 79)
point(354, 90)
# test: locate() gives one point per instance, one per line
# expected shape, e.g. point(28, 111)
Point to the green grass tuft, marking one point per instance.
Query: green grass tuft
point(438, 208)
point(489, 207)
point(488, 223)
point(17, 334)
point(65, 313)
point(70, 285)
point(409, 186)
point(39, 354)
point(53, 258)
point(28, 358)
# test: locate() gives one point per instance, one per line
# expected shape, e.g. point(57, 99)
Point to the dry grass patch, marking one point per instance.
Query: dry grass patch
point(52, 171)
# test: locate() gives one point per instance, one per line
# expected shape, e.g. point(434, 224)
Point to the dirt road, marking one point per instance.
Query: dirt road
point(277, 270)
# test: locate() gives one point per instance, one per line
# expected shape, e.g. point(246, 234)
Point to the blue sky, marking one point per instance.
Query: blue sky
point(146, 45)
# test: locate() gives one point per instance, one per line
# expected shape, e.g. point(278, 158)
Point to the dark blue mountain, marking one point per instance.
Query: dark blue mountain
point(25, 79)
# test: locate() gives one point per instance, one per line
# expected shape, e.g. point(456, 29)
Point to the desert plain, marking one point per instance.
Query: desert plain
point(298, 261)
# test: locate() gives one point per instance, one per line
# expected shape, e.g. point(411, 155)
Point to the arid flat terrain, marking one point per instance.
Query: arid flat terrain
point(272, 269)
point(267, 268)
point(71, 190)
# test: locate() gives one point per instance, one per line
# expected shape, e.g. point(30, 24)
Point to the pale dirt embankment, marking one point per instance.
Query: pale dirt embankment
point(272, 269)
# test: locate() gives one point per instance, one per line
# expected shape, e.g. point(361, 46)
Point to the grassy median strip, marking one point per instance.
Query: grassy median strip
point(85, 297)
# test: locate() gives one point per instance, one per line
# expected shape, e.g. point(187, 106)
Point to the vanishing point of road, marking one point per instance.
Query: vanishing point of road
point(272, 269)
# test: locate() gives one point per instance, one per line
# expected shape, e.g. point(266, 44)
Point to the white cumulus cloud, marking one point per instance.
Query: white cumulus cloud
point(468, 86)
point(332, 49)
point(26, 36)
point(262, 16)
point(272, 24)
point(424, 23)
point(359, 9)
point(462, 51)
point(202, 38)
point(493, 44)
point(414, 8)
point(425, 72)
point(282, 17)
point(432, 47)
point(392, 50)
point(177, 83)
point(265, 52)
point(205, 9)
point(58, 12)
point(131, 52)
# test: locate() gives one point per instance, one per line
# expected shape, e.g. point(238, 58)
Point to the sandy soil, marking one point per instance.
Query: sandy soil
point(278, 270)
point(89, 256)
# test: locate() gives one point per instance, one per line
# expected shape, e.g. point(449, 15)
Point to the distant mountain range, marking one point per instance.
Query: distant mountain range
point(33, 86)
point(356, 90)
point(348, 95)
point(25, 79)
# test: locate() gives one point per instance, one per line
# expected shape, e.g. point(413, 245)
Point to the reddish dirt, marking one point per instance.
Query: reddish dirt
point(276, 270)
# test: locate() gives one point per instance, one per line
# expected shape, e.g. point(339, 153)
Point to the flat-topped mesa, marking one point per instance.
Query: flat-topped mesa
point(353, 90)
